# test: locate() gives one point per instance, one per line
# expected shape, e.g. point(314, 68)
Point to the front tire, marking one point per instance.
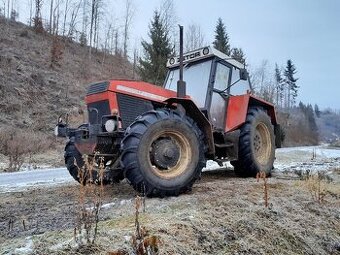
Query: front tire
point(78, 170)
point(256, 145)
point(163, 153)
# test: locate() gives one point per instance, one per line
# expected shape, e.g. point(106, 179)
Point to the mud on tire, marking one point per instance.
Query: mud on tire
point(163, 153)
point(256, 145)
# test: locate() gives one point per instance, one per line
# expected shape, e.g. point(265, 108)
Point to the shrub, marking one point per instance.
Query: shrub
point(56, 51)
point(17, 145)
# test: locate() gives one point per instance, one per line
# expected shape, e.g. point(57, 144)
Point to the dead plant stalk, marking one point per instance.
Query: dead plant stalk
point(262, 175)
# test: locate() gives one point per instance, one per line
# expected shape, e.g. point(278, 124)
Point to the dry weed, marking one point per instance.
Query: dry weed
point(86, 230)
point(316, 185)
point(142, 242)
point(262, 175)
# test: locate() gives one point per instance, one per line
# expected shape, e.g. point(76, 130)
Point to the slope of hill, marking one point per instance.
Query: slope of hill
point(32, 91)
point(329, 127)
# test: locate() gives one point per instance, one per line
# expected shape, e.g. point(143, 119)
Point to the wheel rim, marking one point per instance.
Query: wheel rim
point(262, 144)
point(170, 154)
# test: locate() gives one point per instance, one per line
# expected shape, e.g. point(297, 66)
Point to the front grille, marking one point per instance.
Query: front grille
point(97, 110)
point(97, 88)
point(131, 107)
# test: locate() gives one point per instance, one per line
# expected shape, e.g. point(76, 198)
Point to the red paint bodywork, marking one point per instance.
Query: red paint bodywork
point(138, 89)
point(235, 115)
point(238, 107)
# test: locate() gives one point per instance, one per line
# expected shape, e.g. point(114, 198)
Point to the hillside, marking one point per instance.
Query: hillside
point(33, 93)
point(329, 127)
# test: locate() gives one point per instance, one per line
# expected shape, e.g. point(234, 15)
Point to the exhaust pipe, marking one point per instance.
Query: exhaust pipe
point(181, 86)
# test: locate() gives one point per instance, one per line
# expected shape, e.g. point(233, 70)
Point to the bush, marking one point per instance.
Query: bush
point(17, 145)
point(56, 51)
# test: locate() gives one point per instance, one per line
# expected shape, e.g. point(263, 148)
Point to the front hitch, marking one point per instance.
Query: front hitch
point(62, 129)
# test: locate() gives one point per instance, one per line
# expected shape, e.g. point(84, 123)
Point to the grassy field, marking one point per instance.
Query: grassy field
point(222, 215)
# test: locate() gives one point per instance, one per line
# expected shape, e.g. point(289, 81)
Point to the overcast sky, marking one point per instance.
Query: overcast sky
point(306, 31)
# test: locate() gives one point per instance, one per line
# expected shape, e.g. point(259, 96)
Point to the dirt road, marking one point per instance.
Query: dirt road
point(20, 181)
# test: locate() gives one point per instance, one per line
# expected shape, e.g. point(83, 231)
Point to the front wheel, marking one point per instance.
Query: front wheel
point(87, 172)
point(163, 153)
point(256, 145)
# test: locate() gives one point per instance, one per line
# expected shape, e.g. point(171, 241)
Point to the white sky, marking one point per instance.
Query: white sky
point(306, 31)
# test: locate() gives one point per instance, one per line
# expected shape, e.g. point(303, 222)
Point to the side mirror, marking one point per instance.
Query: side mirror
point(244, 74)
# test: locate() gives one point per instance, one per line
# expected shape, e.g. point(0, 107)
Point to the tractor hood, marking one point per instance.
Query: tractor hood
point(138, 89)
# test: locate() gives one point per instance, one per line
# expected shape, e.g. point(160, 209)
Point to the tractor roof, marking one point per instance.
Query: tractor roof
point(203, 53)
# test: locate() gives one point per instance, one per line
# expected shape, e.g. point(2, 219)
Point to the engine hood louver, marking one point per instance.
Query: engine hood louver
point(97, 88)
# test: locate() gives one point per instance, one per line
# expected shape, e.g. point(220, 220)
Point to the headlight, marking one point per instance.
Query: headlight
point(110, 125)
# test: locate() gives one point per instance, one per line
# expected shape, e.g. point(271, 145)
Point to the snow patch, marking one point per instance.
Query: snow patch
point(108, 205)
point(27, 249)
point(311, 158)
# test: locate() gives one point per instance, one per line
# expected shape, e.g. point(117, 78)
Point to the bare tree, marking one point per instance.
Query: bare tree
point(129, 13)
point(194, 37)
point(94, 23)
point(168, 14)
point(74, 15)
point(97, 20)
point(38, 26)
point(30, 2)
point(106, 49)
point(116, 35)
point(83, 35)
point(263, 82)
point(169, 19)
point(93, 6)
point(56, 18)
point(66, 10)
point(51, 16)
point(8, 9)
point(3, 9)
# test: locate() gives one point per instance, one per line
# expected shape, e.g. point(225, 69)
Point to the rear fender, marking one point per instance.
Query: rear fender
point(238, 107)
point(202, 122)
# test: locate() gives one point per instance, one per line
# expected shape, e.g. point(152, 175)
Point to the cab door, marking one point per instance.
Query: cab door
point(218, 103)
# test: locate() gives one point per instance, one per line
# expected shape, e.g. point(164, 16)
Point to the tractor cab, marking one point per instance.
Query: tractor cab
point(211, 78)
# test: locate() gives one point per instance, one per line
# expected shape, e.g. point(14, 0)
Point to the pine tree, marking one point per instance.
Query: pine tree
point(317, 110)
point(152, 68)
point(221, 42)
point(237, 53)
point(290, 82)
point(279, 85)
point(311, 119)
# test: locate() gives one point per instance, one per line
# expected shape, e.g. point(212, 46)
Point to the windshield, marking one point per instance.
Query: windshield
point(196, 77)
point(241, 86)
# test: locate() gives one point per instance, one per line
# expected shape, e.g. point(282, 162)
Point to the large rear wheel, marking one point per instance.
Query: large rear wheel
point(163, 153)
point(256, 145)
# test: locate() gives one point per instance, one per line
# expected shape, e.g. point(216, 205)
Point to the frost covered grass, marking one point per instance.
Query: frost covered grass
point(222, 215)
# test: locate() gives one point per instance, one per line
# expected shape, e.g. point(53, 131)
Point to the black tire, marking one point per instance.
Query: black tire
point(75, 163)
point(163, 153)
point(279, 136)
point(256, 145)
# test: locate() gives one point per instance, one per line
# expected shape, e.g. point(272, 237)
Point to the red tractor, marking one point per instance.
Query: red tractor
point(160, 140)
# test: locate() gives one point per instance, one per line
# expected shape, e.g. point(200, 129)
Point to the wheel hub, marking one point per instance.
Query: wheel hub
point(165, 153)
point(262, 144)
point(257, 142)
